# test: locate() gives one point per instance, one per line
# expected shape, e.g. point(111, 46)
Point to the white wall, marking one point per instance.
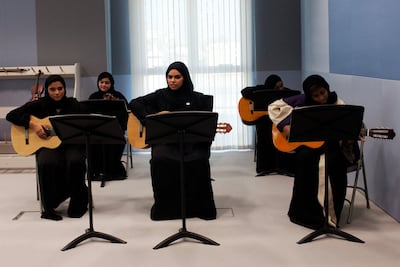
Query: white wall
point(378, 96)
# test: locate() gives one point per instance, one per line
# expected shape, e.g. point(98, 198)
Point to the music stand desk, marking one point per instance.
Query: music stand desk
point(263, 97)
point(115, 108)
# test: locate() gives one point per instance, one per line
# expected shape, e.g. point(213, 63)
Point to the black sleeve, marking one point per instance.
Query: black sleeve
point(21, 115)
point(143, 106)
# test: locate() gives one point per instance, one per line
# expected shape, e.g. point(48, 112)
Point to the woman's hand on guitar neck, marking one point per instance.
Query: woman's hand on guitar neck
point(286, 131)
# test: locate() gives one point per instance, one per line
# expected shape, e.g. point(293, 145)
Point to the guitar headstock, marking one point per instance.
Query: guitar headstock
point(381, 133)
point(223, 127)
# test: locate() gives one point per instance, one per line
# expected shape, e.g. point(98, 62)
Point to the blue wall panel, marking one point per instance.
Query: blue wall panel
point(364, 38)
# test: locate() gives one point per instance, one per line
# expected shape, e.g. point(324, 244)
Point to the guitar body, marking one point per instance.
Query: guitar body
point(247, 112)
point(136, 132)
point(282, 144)
point(26, 142)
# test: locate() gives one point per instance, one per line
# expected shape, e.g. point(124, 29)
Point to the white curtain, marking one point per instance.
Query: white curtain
point(212, 37)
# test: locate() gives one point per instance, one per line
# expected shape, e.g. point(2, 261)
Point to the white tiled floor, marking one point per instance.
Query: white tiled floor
point(252, 227)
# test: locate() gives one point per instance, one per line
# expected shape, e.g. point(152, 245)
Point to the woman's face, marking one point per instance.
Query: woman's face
point(174, 79)
point(56, 90)
point(104, 84)
point(279, 85)
point(319, 95)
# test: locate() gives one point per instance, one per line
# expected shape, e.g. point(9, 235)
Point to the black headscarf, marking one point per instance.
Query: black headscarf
point(51, 79)
point(271, 81)
point(110, 77)
point(51, 102)
point(316, 81)
point(187, 86)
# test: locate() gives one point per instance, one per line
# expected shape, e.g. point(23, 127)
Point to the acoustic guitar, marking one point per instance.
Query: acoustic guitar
point(26, 142)
point(247, 112)
point(137, 132)
point(282, 144)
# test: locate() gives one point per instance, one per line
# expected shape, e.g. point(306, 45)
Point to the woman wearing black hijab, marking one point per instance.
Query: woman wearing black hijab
point(269, 160)
point(179, 95)
point(106, 159)
point(273, 81)
point(307, 205)
point(61, 171)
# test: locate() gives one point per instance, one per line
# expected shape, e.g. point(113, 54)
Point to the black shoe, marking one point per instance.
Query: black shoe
point(99, 177)
point(117, 177)
point(264, 173)
point(77, 213)
point(119, 174)
point(286, 173)
point(51, 215)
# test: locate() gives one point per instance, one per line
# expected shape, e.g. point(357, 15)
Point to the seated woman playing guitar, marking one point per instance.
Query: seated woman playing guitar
point(179, 95)
point(306, 206)
point(268, 159)
point(61, 170)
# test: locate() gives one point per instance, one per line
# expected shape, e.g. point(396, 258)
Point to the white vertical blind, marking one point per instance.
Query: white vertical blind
point(212, 37)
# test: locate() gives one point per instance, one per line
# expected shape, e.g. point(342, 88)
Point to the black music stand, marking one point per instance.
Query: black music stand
point(88, 129)
point(182, 127)
point(262, 97)
point(326, 123)
point(115, 108)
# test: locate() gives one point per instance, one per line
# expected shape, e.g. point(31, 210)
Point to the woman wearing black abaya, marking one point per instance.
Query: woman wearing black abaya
point(61, 170)
point(106, 159)
point(165, 159)
point(269, 160)
point(307, 205)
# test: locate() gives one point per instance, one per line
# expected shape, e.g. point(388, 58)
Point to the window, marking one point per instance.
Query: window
point(212, 37)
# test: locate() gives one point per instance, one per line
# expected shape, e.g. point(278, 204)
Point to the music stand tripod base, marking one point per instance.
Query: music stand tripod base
point(329, 230)
point(90, 234)
point(183, 233)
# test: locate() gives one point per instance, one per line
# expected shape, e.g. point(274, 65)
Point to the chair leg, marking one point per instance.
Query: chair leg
point(37, 188)
point(38, 198)
point(130, 156)
point(255, 146)
point(129, 159)
point(353, 195)
point(365, 185)
point(355, 187)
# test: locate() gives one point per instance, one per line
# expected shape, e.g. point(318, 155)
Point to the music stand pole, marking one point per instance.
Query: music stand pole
point(181, 127)
point(326, 123)
point(183, 232)
point(71, 128)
